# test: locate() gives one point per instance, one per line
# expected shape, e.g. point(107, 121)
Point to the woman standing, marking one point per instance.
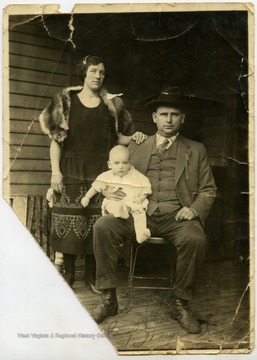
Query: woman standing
point(83, 123)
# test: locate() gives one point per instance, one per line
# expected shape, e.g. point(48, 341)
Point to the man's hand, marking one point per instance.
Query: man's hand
point(186, 214)
point(139, 137)
point(56, 182)
point(112, 193)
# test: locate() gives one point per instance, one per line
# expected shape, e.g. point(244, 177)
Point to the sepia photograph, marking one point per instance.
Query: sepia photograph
point(128, 156)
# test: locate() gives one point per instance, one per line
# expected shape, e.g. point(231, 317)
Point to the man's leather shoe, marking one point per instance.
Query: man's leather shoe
point(183, 313)
point(107, 307)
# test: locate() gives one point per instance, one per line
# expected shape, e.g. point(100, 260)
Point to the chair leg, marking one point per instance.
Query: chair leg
point(134, 248)
point(172, 266)
point(129, 293)
point(130, 277)
point(132, 265)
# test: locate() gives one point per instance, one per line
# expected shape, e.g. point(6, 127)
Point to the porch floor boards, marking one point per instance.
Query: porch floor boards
point(221, 303)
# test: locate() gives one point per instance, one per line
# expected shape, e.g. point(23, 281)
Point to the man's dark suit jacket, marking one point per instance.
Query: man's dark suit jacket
point(194, 182)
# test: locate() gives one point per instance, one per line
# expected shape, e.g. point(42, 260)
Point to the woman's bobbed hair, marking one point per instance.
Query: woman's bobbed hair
point(87, 61)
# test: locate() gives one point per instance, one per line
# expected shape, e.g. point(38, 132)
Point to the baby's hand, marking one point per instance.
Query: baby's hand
point(85, 201)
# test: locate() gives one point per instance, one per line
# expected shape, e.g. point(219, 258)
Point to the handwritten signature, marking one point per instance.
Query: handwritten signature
point(147, 327)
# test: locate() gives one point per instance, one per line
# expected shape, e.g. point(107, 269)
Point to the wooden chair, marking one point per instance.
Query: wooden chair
point(135, 248)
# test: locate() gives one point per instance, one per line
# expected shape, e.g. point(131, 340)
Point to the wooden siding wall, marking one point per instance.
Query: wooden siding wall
point(214, 135)
point(39, 65)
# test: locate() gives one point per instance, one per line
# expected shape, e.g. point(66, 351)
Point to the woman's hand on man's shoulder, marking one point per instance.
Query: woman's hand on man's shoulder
point(139, 137)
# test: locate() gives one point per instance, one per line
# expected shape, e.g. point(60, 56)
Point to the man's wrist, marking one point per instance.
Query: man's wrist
point(194, 211)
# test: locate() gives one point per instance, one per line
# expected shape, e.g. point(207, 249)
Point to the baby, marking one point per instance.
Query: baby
point(122, 175)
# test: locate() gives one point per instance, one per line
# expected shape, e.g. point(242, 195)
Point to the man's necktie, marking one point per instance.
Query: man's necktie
point(163, 146)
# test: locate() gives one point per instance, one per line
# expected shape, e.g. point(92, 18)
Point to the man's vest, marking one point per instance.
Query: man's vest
point(161, 173)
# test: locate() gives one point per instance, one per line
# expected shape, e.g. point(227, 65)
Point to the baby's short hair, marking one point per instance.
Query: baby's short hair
point(117, 150)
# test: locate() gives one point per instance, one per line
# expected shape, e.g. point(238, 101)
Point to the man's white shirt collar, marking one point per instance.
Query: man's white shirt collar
point(160, 139)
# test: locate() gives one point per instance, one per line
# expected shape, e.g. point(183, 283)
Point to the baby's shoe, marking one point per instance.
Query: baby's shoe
point(143, 235)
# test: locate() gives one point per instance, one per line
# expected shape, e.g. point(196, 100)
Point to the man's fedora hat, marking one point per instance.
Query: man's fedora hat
point(171, 96)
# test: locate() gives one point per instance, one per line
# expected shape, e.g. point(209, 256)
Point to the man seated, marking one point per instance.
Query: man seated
point(183, 191)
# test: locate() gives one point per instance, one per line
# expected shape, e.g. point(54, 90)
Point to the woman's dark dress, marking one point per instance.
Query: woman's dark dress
point(85, 152)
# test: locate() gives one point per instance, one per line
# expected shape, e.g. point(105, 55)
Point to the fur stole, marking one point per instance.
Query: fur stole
point(54, 120)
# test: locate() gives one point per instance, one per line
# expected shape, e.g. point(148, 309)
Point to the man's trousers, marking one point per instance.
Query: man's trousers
point(186, 236)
